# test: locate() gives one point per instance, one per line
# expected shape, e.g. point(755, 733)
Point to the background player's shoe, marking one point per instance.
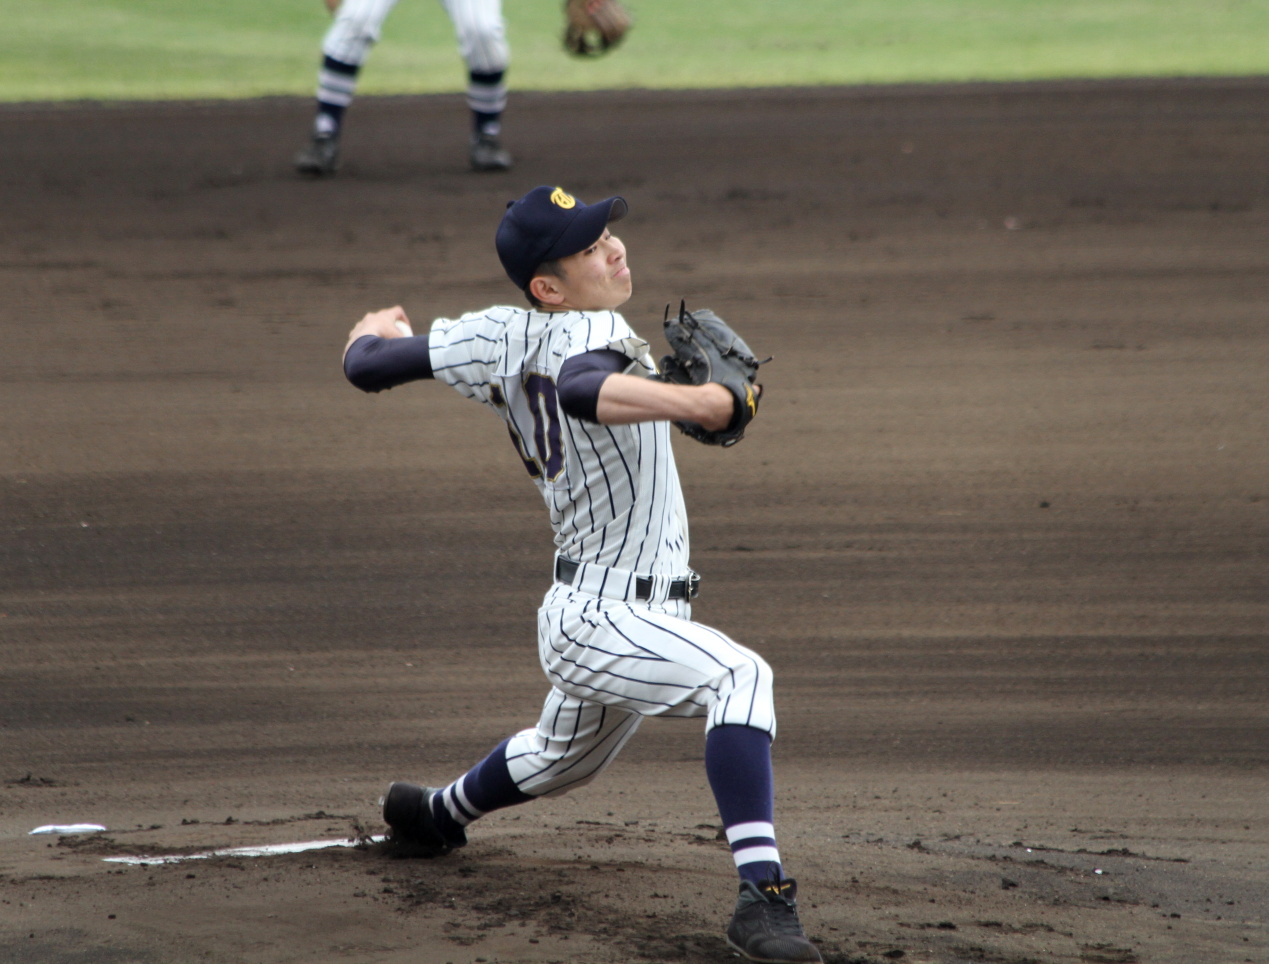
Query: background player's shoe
point(765, 926)
point(488, 154)
point(320, 158)
point(407, 809)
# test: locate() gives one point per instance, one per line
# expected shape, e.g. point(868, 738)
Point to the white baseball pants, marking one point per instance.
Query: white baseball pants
point(478, 24)
point(613, 662)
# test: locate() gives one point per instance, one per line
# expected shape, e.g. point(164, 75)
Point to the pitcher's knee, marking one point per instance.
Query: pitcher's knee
point(745, 694)
point(551, 783)
point(549, 767)
point(549, 775)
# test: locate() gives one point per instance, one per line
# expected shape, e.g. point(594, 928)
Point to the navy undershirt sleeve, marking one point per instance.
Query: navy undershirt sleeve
point(580, 379)
point(374, 364)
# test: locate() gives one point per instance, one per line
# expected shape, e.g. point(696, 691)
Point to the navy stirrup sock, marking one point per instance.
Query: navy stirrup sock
point(738, 764)
point(486, 97)
point(336, 85)
point(486, 787)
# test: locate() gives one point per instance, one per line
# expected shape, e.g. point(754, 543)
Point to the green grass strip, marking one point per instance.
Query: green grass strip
point(157, 49)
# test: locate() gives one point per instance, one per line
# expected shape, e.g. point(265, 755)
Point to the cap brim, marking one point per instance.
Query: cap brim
point(587, 226)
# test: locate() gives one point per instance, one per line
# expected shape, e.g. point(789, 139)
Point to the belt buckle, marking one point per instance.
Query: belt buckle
point(566, 570)
point(693, 584)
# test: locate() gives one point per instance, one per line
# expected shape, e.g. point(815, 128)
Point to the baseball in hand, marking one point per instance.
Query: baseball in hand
point(405, 329)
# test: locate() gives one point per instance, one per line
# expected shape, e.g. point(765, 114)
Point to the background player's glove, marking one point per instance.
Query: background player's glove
point(592, 26)
point(707, 350)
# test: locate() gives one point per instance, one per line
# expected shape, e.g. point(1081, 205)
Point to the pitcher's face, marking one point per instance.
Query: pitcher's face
point(597, 277)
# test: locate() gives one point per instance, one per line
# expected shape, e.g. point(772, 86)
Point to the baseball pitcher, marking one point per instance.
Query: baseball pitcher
point(589, 413)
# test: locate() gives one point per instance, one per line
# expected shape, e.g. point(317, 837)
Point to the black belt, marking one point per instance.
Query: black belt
point(689, 588)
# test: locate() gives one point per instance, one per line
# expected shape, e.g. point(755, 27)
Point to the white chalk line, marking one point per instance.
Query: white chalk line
point(267, 850)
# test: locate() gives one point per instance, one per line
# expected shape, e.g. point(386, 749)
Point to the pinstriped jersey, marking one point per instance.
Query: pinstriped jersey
point(612, 490)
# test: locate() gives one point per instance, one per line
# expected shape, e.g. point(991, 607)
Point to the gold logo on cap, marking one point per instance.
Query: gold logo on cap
point(562, 199)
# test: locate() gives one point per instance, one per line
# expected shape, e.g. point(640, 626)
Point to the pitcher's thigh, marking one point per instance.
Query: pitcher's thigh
point(656, 663)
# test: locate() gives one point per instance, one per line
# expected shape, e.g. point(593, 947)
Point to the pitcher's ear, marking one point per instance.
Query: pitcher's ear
point(545, 288)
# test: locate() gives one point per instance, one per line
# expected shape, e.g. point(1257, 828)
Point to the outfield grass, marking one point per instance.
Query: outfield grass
point(148, 49)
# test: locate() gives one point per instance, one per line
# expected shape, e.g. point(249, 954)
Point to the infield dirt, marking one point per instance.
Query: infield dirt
point(1000, 527)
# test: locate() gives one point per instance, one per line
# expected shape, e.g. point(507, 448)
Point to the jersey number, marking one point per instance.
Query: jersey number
point(546, 458)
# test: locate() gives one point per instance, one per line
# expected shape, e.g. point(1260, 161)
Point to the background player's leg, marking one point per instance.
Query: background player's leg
point(482, 42)
point(336, 84)
point(345, 47)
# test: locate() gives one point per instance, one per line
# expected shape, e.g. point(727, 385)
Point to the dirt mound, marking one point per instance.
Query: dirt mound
point(1005, 537)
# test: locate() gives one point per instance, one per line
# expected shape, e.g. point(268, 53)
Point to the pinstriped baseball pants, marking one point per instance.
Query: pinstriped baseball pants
point(478, 25)
point(613, 662)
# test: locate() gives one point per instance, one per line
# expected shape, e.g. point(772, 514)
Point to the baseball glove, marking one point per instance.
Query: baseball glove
point(593, 26)
point(707, 350)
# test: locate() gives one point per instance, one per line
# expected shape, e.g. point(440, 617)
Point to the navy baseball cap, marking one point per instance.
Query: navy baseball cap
point(549, 223)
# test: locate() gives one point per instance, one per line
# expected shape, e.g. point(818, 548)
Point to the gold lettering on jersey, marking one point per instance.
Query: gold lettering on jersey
point(562, 199)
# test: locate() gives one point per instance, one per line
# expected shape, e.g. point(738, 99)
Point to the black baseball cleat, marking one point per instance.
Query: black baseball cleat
point(320, 158)
point(407, 809)
point(488, 154)
point(765, 926)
